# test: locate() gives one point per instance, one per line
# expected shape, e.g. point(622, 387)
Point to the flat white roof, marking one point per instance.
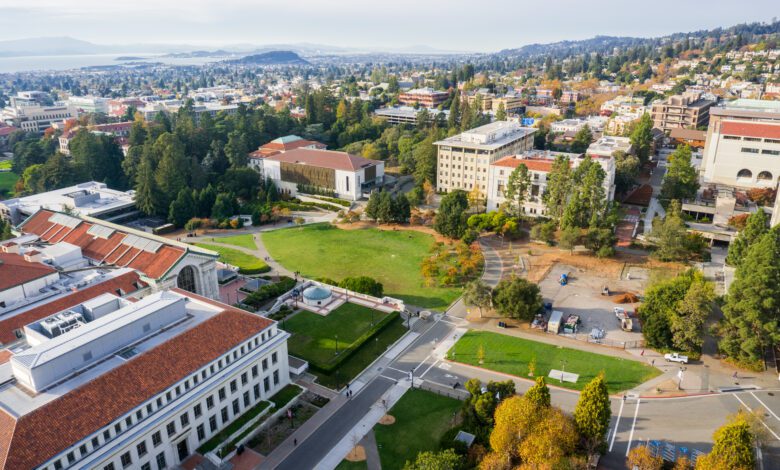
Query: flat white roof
point(490, 136)
point(86, 198)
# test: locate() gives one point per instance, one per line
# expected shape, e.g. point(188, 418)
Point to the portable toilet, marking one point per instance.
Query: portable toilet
point(555, 322)
point(564, 279)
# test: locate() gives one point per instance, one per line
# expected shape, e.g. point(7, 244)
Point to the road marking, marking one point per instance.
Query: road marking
point(764, 405)
point(761, 420)
point(633, 425)
point(429, 368)
point(617, 423)
point(398, 370)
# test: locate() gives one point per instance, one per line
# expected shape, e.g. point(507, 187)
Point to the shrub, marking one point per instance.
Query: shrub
point(363, 285)
point(269, 291)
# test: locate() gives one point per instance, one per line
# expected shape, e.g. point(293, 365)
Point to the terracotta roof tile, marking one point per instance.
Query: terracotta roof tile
point(126, 282)
point(325, 159)
point(15, 270)
point(50, 429)
point(749, 129)
point(532, 164)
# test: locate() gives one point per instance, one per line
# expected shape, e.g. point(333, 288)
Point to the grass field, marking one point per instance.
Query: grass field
point(246, 263)
point(511, 355)
point(7, 182)
point(347, 465)
point(421, 419)
point(315, 337)
point(391, 257)
point(244, 241)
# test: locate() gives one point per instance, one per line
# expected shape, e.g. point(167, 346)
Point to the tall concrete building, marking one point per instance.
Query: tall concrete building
point(742, 148)
point(687, 111)
point(463, 160)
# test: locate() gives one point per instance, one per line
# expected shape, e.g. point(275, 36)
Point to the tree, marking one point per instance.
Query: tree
point(626, 170)
point(363, 285)
point(686, 322)
point(671, 238)
point(681, 180)
point(544, 232)
point(147, 194)
point(732, 448)
point(223, 207)
point(751, 320)
point(592, 414)
point(446, 459)
point(582, 140)
point(601, 241)
point(550, 443)
point(640, 458)
point(662, 301)
point(517, 187)
point(517, 298)
point(501, 112)
point(372, 207)
point(182, 208)
point(569, 238)
point(642, 138)
point(477, 294)
point(451, 217)
point(755, 227)
point(538, 394)
point(558, 184)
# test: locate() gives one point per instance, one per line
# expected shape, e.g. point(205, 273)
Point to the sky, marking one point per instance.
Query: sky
point(460, 25)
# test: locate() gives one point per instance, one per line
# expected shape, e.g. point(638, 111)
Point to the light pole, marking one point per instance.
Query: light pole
point(563, 369)
point(411, 377)
point(337, 345)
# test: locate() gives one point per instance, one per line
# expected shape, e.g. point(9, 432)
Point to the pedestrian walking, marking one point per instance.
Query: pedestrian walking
point(735, 375)
point(652, 363)
point(642, 353)
point(295, 442)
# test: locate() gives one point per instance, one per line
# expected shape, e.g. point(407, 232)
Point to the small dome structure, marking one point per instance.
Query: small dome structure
point(316, 295)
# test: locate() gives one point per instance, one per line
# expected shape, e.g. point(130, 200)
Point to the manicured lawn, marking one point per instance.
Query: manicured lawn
point(363, 356)
point(511, 355)
point(247, 264)
point(7, 182)
point(285, 395)
point(421, 419)
point(391, 257)
point(234, 426)
point(347, 465)
point(314, 336)
point(244, 241)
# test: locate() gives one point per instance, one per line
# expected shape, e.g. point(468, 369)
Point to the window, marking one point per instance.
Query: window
point(771, 141)
point(274, 358)
point(266, 384)
point(209, 403)
point(95, 442)
point(71, 457)
point(244, 378)
point(159, 402)
point(751, 139)
point(225, 415)
point(83, 450)
point(197, 410)
point(118, 428)
point(246, 399)
point(222, 394)
point(201, 432)
point(770, 152)
point(138, 415)
point(161, 463)
point(745, 174)
point(276, 377)
point(185, 419)
point(126, 460)
point(764, 176)
point(749, 150)
point(146, 466)
point(110, 466)
point(233, 386)
point(213, 424)
point(170, 429)
point(156, 439)
point(178, 390)
point(167, 396)
point(256, 389)
point(236, 407)
point(265, 365)
point(148, 408)
point(129, 421)
point(254, 371)
point(141, 449)
point(106, 435)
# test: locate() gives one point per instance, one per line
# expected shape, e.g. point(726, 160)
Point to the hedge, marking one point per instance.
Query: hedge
point(349, 351)
point(234, 426)
point(269, 291)
point(334, 200)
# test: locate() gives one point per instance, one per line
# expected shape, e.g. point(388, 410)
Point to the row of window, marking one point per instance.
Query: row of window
point(761, 151)
point(112, 431)
point(751, 139)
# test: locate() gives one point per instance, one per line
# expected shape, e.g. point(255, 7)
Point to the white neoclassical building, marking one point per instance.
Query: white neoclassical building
point(109, 384)
point(162, 263)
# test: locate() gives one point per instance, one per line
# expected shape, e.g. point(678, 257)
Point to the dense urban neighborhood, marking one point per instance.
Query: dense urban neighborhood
point(559, 256)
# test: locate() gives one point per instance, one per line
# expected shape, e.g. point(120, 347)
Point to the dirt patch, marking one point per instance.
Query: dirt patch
point(357, 454)
point(667, 387)
point(627, 298)
point(395, 227)
point(387, 420)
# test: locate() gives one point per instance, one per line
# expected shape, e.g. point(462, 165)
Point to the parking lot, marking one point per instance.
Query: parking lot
point(582, 296)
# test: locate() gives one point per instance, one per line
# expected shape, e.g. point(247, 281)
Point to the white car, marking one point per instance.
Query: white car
point(675, 357)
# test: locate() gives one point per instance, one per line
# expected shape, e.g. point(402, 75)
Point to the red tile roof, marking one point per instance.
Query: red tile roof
point(15, 270)
point(126, 282)
point(7, 130)
point(534, 164)
point(750, 129)
point(36, 437)
point(110, 251)
point(325, 159)
point(275, 147)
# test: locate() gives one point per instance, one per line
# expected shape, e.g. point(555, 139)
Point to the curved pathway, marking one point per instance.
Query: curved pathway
point(260, 252)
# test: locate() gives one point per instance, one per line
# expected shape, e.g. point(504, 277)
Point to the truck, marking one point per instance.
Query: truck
point(676, 357)
point(554, 324)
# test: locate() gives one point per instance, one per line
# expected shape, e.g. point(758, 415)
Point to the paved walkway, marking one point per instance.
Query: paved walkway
point(373, 462)
point(260, 252)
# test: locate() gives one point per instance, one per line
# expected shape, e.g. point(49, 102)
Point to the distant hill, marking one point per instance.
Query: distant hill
point(272, 58)
point(48, 46)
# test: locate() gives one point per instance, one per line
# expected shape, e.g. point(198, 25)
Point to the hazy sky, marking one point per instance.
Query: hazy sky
point(485, 25)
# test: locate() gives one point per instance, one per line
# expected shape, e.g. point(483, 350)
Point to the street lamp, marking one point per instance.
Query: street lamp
point(411, 377)
point(563, 368)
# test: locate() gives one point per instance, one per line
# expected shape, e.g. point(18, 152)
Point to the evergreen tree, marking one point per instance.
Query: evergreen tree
point(171, 174)
point(733, 447)
point(538, 394)
point(517, 186)
point(372, 207)
point(501, 112)
point(582, 140)
point(671, 238)
point(223, 207)
point(556, 194)
point(182, 208)
point(147, 194)
point(681, 180)
point(206, 199)
point(755, 227)
point(451, 217)
point(642, 138)
point(592, 414)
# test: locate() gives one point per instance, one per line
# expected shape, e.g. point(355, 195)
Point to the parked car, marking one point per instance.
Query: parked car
point(676, 357)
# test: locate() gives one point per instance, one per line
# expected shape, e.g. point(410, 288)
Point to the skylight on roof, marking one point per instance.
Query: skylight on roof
point(62, 219)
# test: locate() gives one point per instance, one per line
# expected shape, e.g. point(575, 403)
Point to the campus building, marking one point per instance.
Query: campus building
point(91, 198)
point(163, 263)
point(742, 147)
point(281, 145)
point(108, 382)
point(36, 118)
point(463, 160)
point(425, 97)
point(539, 164)
point(409, 115)
point(310, 169)
point(688, 111)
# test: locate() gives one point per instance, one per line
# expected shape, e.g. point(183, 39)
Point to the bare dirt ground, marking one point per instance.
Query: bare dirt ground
point(393, 227)
point(387, 420)
point(357, 454)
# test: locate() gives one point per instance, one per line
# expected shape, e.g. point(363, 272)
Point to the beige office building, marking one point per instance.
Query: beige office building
point(463, 160)
point(686, 111)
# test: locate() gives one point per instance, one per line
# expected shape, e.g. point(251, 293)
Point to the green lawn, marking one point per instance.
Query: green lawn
point(363, 356)
point(244, 241)
point(421, 419)
point(7, 182)
point(511, 355)
point(315, 336)
point(347, 465)
point(246, 263)
point(391, 257)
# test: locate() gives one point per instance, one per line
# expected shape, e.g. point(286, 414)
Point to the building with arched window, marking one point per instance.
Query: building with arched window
point(162, 263)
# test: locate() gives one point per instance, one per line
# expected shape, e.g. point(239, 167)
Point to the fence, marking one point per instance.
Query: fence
point(456, 393)
point(636, 344)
